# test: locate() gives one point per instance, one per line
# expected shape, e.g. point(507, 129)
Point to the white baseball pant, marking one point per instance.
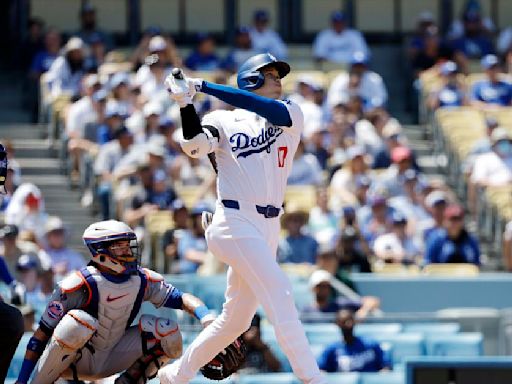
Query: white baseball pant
point(247, 242)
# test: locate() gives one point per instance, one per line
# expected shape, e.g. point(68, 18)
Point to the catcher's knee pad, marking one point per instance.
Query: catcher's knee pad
point(75, 329)
point(163, 331)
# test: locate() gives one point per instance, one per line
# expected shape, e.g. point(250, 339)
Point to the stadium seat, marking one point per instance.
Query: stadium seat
point(459, 344)
point(268, 378)
point(328, 333)
point(279, 354)
point(211, 290)
point(432, 328)
point(17, 359)
point(302, 197)
point(401, 345)
point(382, 378)
point(395, 269)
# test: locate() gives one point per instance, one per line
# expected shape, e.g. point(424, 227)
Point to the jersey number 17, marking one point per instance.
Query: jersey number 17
point(281, 156)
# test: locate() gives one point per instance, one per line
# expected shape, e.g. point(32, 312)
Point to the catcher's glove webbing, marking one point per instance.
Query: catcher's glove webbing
point(227, 362)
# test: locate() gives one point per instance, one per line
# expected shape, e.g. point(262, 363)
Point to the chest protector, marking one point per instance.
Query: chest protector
point(115, 305)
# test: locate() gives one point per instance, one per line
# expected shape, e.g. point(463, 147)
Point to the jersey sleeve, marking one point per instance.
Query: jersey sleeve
point(160, 293)
point(296, 116)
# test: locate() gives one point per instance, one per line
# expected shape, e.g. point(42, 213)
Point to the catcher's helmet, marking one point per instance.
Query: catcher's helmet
point(100, 237)
point(249, 75)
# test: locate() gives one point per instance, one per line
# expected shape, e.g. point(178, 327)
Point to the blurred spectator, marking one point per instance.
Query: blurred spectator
point(97, 52)
point(114, 117)
point(13, 165)
point(474, 43)
point(507, 247)
point(338, 43)
point(203, 57)
point(393, 177)
point(171, 237)
point(63, 258)
point(306, 169)
point(259, 357)
point(342, 186)
point(29, 272)
point(26, 210)
point(89, 31)
point(10, 187)
point(353, 353)
point(370, 130)
point(351, 259)
point(322, 222)
point(65, 74)
point(481, 146)
point(154, 44)
point(424, 26)
point(435, 202)
point(491, 91)
point(362, 185)
point(392, 137)
point(379, 220)
point(397, 246)
point(264, 39)
point(86, 110)
point(504, 43)
point(296, 247)
point(33, 42)
point(471, 9)
point(452, 92)
point(409, 200)
point(358, 81)
point(453, 243)
point(153, 88)
point(305, 97)
point(192, 247)
point(110, 154)
point(431, 50)
point(241, 51)
point(152, 112)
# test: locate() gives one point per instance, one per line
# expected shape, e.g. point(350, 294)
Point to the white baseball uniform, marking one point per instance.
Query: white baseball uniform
point(254, 159)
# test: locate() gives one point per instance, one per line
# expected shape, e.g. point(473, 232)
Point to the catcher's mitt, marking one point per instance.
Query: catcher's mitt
point(227, 362)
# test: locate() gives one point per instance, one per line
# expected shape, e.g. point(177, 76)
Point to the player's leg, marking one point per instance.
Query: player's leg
point(71, 334)
point(236, 316)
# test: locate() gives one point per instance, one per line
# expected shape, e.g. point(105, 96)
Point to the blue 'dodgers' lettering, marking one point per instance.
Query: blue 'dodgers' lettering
point(241, 141)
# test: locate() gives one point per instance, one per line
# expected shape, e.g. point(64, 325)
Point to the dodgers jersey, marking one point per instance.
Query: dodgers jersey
point(253, 156)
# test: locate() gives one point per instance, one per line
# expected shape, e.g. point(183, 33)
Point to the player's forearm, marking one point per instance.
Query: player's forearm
point(272, 110)
point(35, 348)
point(190, 122)
point(195, 307)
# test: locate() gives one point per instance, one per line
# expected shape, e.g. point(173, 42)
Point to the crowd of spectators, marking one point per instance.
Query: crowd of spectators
point(374, 205)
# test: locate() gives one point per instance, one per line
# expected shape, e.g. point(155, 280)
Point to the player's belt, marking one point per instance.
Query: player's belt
point(269, 211)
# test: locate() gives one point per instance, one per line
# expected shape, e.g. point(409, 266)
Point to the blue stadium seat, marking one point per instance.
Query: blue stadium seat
point(432, 328)
point(17, 359)
point(268, 378)
point(328, 333)
point(343, 378)
point(401, 345)
point(371, 329)
point(382, 378)
point(210, 289)
point(302, 294)
point(459, 344)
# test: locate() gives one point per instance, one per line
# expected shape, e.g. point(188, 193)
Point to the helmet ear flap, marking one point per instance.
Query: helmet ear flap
point(250, 80)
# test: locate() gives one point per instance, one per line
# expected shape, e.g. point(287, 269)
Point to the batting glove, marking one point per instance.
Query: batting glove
point(182, 91)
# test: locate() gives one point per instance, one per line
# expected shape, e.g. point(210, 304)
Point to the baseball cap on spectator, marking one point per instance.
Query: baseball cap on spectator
point(100, 95)
point(157, 43)
point(92, 80)
point(74, 43)
point(178, 204)
point(499, 134)
point(113, 110)
point(54, 223)
point(27, 262)
point(199, 207)
point(309, 81)
point(338, 16)
point(159, 175)
point(318, 277)
point(398, 218)
point(118, 79)
point(153, 108)
point(489, 61)
point(261, 15)
point(359, 57)
point(348, 211)
point(242, 30)
point(9, 230)
point(401, 153)
point(453, 211)
point(355, 151)
point(435, 198)
point(153, 30)
point(448, 68)
point(122, 130)
point(165, 121)
point(410, 175)
point(392, 129)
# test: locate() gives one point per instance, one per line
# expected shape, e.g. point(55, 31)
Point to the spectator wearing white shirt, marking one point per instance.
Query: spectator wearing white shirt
point(338, 43)
point(65, 74)
point(493, 168)
point(358, 81)
point(306, 169)
point(265, 39)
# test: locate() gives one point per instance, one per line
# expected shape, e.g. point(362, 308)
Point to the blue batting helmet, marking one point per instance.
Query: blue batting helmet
point(249, 74)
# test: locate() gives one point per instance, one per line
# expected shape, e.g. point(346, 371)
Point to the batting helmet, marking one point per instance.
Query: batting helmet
point(249, 75)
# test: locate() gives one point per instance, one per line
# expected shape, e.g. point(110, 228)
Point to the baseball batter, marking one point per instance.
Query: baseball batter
point(252, 149)
point(86, 333)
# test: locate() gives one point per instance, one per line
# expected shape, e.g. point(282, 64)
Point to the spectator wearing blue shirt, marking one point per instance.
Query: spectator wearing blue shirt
point(44, 58)
point(452, 244)
point(491, 91)
point(203, 58)
point(296, 247)
point(240, 52)
point(113, 121)
point(353, 353)
point(451, 94)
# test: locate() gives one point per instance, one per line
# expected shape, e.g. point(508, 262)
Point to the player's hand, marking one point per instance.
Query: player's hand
point(181, 88)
